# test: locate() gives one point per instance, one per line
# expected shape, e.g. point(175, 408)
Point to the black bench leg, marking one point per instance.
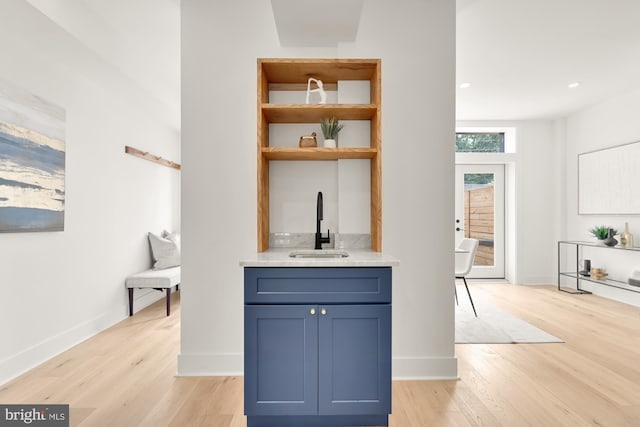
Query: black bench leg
point(130, 301)
point(168, 301)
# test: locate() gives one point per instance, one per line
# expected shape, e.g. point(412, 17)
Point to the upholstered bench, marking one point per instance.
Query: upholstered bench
point(166, 278)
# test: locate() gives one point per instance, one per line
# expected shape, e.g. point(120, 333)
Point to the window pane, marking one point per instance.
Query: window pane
point(480, 142)
point(477, 180)
point(479, 208)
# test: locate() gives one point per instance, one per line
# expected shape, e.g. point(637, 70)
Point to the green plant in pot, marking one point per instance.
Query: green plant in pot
point(330, 129)
point(601, 232)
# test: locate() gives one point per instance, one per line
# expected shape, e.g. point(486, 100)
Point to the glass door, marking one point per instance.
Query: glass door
point(480, 215)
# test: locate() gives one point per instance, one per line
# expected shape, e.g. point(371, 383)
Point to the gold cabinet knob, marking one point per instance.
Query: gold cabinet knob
point(312, 311)
point(323, 311)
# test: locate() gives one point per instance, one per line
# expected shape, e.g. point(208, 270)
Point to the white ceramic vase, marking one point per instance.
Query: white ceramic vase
point(329, 143)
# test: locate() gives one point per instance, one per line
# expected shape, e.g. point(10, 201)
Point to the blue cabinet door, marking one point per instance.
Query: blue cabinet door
point(281, 360)
point(354, 359)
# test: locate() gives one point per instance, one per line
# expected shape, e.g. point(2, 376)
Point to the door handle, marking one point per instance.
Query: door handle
point(459, 229)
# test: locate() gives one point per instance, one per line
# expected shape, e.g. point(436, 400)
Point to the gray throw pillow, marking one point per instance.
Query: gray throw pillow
point(174, 237)
point(166, 253)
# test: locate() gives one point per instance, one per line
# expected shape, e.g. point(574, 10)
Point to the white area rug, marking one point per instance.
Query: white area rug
point(493, 326)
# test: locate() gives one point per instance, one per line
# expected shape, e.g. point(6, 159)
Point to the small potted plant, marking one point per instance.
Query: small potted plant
point(330, 128)
point(601, 232)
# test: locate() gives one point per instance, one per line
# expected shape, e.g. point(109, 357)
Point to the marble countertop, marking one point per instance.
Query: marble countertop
point(356, 258)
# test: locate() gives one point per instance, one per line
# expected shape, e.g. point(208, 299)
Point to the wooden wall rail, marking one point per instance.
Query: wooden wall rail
point(151, 157)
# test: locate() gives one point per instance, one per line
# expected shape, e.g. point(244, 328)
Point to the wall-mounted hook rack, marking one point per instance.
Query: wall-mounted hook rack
point(151, 157)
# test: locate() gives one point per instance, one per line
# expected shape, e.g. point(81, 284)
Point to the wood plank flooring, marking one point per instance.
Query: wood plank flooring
point(125, 376)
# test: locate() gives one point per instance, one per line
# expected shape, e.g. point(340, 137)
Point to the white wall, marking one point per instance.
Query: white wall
point(219, 183)
point(533, 197)
point(344, 183)
point(61, 288)
point(609, 123)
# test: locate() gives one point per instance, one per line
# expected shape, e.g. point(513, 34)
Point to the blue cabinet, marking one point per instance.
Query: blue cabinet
point(314, 356)
point(281, 359)
point(354, 359)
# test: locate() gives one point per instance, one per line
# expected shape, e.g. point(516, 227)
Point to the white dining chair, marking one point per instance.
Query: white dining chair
point(465, 254)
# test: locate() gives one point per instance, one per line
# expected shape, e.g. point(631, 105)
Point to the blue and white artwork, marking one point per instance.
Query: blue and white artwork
point(32, 162)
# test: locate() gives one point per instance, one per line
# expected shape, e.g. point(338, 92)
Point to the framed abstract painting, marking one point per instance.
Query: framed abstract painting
point(32, 162)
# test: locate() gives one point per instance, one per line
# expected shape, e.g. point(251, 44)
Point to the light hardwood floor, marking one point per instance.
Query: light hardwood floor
point(125, 376)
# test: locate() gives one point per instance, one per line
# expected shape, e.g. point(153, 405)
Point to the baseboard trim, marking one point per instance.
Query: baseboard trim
point(537, 281)
point(19, 363)
point(143, 298)
point(39, 353)
point(403, 368)
point(220, 364)
point(425, 368)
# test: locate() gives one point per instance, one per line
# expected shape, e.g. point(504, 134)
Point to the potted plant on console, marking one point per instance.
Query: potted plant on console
point(330, 128)
point(604, 234)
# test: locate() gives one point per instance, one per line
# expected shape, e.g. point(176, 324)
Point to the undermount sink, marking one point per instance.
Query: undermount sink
point(319, 253)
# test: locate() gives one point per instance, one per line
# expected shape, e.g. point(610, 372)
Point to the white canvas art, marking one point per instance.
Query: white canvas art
point(608, 181)
point(32, 162)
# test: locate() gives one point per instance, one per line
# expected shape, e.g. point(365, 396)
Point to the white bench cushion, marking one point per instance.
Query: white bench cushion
point(165, 278)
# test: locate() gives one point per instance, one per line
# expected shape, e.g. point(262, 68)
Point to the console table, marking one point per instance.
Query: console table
point(579, 277)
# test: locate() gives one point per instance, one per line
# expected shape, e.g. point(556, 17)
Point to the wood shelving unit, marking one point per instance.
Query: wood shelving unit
point(288, 113)
point(287, 153)
point(292, 74)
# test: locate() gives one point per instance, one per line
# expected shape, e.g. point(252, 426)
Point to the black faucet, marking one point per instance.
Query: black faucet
point(319, 239)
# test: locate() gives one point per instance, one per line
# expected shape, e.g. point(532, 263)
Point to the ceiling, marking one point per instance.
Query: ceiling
point(132, 44)
point(303, 23)
point(519, 56)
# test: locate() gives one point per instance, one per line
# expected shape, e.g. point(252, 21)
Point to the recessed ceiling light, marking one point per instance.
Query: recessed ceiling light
point(573, 85)
point(464, 85)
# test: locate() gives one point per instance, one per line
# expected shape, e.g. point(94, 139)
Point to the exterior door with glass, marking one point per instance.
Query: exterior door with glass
point(480, 215)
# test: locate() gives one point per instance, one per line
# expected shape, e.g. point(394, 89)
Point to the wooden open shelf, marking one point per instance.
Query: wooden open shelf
point(297, 70)
point(289, 153)
point(293, 113)
point(292, 74)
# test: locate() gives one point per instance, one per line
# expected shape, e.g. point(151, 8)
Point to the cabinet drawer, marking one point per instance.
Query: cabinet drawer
point(317, 285)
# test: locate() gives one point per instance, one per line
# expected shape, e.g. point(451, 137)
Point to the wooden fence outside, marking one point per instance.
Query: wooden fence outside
point(478, 222)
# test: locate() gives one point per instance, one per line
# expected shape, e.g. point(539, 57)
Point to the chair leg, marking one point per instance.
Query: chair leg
point(470, 299)
point(455, 291)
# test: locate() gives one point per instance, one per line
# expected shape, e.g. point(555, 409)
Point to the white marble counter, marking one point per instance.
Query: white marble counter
point(356, 258)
